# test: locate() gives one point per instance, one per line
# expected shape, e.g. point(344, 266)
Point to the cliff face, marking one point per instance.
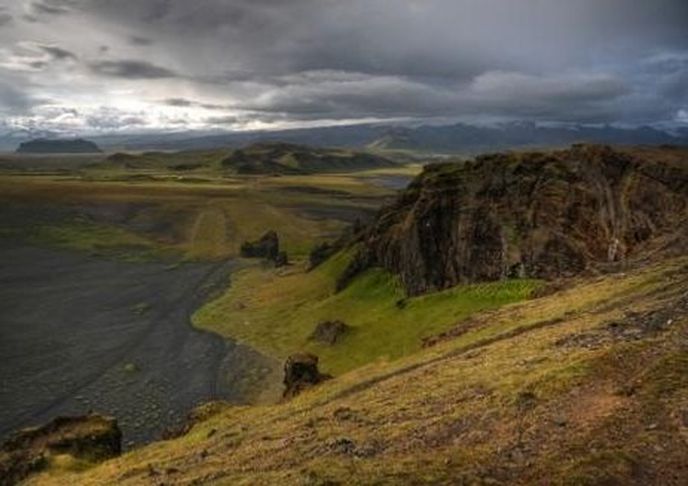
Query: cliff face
point(541, 215)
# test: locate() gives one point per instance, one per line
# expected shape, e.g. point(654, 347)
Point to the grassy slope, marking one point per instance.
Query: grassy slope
point(542, 389)
point(276, 311)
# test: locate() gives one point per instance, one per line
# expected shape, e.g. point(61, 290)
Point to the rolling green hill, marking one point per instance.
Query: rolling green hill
point(285, 158)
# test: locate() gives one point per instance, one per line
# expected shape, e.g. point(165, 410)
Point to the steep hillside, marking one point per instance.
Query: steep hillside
point(285, 158)
point(537, 215)
point(586, 386)
point(577, 373)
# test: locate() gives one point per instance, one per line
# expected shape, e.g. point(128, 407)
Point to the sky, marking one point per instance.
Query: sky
point(130, 66)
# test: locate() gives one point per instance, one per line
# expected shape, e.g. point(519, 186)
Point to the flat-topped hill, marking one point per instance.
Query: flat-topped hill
point(58, 146)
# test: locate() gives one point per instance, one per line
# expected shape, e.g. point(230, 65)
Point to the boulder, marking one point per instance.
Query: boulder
point(281, 260)
point(90, 437)
point(300, 373)
point(329, 332)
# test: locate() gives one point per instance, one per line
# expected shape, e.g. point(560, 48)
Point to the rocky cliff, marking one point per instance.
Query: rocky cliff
point(543, 215)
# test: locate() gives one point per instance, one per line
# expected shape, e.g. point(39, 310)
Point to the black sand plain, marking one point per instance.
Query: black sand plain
point(80, 333)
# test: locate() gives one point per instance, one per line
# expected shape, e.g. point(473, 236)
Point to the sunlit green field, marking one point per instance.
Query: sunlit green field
point(276, 311)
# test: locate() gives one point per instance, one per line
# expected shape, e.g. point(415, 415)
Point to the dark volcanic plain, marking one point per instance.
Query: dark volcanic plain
point(81, 333)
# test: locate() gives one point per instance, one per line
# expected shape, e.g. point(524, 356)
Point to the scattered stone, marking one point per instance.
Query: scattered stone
point(131, 368)
point(560, 421)
point(329, 332)
point(526, 400)
point(343, 413)
point(300, 373)
point(342, 445)
point(281, 260)
point(91, 437)
point(141, 308)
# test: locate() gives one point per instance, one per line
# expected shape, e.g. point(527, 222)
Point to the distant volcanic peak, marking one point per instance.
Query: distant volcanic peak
point(58, 146)
point(533, 214)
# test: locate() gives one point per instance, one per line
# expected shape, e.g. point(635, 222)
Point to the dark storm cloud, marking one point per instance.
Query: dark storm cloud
point(179, 102)
point(186, 103)
point(36, 10)
point(140, 41)
point(280, 61)
point(5, 17)
point(57, 52)
point(131, 69)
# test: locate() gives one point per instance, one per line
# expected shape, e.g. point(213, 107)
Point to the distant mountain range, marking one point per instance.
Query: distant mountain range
point(450, 139)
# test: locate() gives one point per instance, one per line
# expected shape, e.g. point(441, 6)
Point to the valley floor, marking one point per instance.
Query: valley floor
point(588, 385)
point(100, 272)
point(84, 333)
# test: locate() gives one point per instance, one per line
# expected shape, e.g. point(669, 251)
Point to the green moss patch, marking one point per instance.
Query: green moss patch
point(276, 313)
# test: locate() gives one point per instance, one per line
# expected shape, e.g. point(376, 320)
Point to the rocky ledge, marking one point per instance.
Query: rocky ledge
point(90, 437)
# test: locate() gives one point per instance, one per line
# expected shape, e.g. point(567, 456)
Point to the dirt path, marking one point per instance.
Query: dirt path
point(79, 333)
point(209, 234)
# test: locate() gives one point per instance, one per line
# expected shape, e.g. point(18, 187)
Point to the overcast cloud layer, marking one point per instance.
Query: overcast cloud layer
point(85, 66)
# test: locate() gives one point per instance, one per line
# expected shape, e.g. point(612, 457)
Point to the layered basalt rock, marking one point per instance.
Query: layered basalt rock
point(301, 373)
point(268, 247)
point(542, 215)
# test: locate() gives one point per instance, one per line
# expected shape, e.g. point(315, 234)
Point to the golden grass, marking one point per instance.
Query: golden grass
point(194, 213)
point(512, 408)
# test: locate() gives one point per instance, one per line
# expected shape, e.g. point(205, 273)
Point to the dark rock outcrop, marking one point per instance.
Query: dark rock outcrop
point(300, 373)
point(543, 215)
point(91, 437)
point(329, 332)
point(319, 254)
point(323, 251)
point(47, 146)
point(266, 247)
